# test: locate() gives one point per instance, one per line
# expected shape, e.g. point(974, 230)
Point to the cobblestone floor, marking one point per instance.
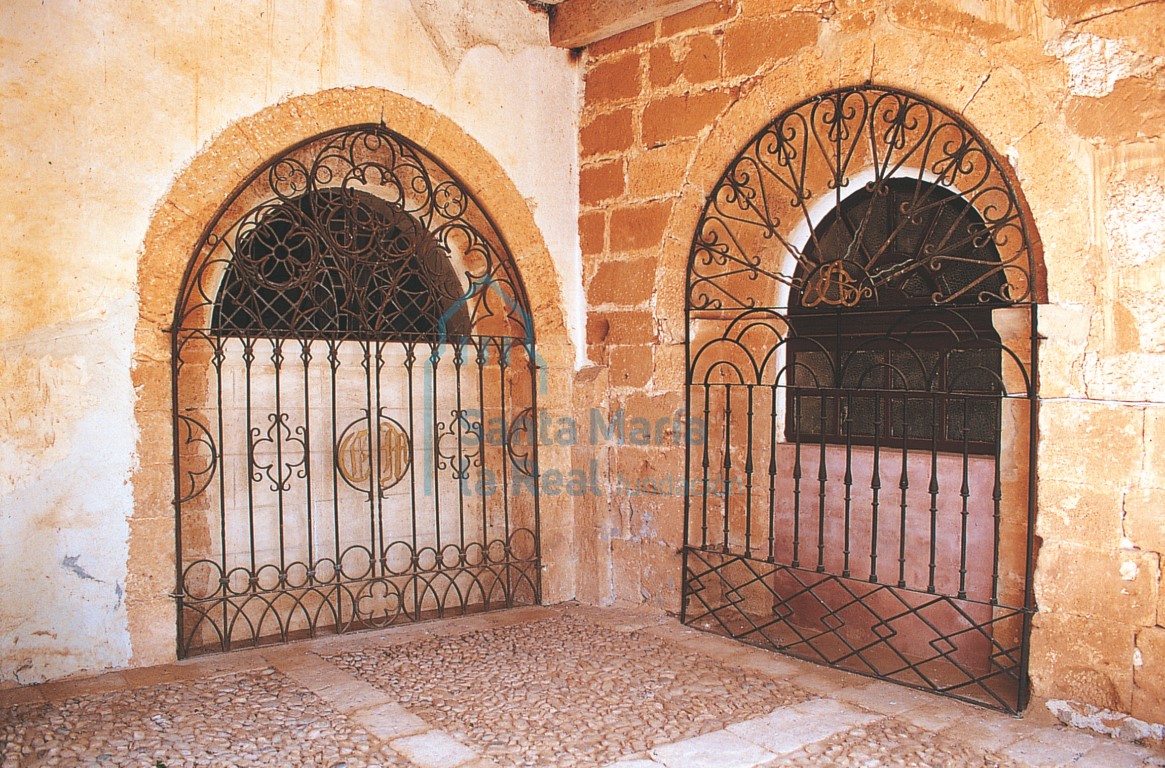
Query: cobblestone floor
point(564, 686)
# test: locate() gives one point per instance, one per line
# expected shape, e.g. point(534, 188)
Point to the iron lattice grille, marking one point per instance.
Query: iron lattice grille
point(354, 393)
point(862, 354)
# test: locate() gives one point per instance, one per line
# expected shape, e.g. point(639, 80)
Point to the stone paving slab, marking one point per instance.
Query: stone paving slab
point(535, 687)
point(719, 749)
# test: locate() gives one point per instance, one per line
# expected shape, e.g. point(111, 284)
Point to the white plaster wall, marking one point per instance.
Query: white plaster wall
point(101, 104)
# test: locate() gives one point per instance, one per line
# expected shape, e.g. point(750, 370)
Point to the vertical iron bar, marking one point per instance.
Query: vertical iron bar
point(337, 575)
point(305, 356)
point(486, 490)
point(414, 569)
point(748, 466)
point(822, 481)
point(462, 468)
point(503, 361)
point(726, 465)
point(904, 486)
point(373, 419)
point(378, 461)
point(933, 489)
point(772, 471)
point(277, 361)
point(706, 463)
point(434, 361)
point(218, 359)
point(848, 479)
point(965, 493)
point(176, 455)
point(875, 487)
point(252, 433)
point(796, 563)
point(533, 363)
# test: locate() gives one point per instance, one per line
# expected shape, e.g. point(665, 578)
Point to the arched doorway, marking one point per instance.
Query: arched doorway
point(862, 352)
point(354, 394)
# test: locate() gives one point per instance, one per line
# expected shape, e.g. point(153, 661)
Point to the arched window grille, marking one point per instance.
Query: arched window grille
point(354, 394)
point(862, 366)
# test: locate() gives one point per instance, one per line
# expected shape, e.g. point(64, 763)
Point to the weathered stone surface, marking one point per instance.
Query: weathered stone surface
point(658, 171)
point(639, 227)
point(625, 283)
point(614, 79)
point(1144, 523)
point(749, 47)
point(601, 181)
point(607, 133)
point(1087, 514)
point(1080, 441)
point(1119, 585)
point(1083, 659)
point(679, 117)
point(1149, 675)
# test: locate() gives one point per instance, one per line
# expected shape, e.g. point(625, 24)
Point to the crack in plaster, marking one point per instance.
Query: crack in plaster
point(982, 83)
point(1114, 11)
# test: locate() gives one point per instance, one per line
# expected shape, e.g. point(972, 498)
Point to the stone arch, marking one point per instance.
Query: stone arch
point(176, 227)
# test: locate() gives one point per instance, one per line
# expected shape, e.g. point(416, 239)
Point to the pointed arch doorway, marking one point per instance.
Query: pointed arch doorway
point(354, 395)
point(862, 350)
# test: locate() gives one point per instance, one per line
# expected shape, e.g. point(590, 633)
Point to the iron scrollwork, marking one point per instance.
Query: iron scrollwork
point(346, 295)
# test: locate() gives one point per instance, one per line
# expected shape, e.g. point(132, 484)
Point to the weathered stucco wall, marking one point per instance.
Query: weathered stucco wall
point(103, 105)
point(1073, 93)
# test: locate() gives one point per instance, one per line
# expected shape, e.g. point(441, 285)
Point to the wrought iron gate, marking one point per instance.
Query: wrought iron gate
point(354, 394)
point(862, 354)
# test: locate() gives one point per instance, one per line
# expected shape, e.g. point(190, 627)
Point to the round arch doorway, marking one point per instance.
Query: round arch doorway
point(353, 370)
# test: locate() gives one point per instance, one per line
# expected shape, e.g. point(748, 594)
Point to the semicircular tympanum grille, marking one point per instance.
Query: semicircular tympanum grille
point(862, 353)
point(354, 373)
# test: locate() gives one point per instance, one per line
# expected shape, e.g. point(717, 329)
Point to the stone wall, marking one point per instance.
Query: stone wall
point(125, 125)
point(1072, 94)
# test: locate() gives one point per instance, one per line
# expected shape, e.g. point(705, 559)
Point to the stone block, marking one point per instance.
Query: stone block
point(1087, 514)
point(750, 47)
point(626, 570)
point(624, 283)
point(614, 79)
point(659, 171)
point(701, 17)
point(628, 368)
point(680, 117)
point(624, 41)
point(695, 61)
point(637, 227)
point(1153, 475)
point(1144, 523)
point(1082, 659)
point(1081, 441)
point(607, 133)
point(1149, 676)
point(1120, 585)
point(592, 232)
point(601, 182)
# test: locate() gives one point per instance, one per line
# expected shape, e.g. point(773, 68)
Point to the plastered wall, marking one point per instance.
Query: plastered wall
point(104, 105)
point(1072, 94)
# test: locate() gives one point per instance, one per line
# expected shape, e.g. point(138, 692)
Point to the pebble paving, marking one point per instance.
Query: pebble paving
point(257, 719)
point(895, 742)
point(574, 688)
point(564, 691)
